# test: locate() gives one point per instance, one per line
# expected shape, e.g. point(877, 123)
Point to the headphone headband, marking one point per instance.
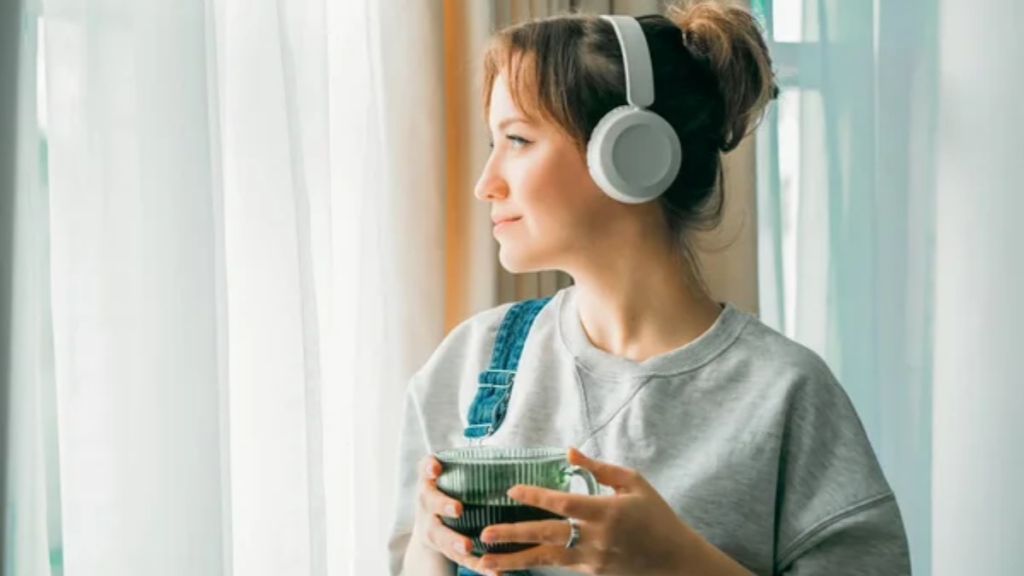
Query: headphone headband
point(633, 153)
point(636, 58)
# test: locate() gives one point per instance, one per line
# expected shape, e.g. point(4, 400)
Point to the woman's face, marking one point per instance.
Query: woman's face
point(546, 207)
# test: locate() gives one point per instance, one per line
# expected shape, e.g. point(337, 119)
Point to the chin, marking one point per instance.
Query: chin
point(520, 261)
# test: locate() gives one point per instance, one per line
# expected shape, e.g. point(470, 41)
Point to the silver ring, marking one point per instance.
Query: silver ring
point(574, 535)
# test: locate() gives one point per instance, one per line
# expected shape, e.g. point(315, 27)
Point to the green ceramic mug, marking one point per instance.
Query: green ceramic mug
point(480, 476)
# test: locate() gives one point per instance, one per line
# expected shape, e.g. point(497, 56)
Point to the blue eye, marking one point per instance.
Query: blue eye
point(517, 142)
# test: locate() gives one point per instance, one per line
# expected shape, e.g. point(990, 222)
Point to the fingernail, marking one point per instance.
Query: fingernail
point(460, 547)
point(449, 511)
point(429, 471)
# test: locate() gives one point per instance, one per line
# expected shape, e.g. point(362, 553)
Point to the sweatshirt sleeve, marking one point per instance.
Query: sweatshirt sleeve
point(838, 515)
point(865, 540)
point(412, 447)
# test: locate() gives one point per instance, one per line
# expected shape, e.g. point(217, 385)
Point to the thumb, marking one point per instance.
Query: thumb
point(608, 474)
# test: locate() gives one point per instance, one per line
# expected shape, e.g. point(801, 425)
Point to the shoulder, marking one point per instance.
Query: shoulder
point(466, 349)
point(790, 388)
point(827, 466)
point(790, 374)
point(472, 335)
point(779, 386)
point(816, 405)
point(770, 350)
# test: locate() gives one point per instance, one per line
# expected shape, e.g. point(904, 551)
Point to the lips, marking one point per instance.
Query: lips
point(503, 222)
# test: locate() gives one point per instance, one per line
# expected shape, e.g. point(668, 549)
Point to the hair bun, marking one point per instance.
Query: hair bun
point(729, 40)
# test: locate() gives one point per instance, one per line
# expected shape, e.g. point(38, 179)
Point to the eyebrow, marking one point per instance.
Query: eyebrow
point(511, 120)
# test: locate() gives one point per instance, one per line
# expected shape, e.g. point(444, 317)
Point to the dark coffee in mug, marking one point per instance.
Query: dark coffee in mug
point(480, 476)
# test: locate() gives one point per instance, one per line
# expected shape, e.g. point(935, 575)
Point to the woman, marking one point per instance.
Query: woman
point(728, 449)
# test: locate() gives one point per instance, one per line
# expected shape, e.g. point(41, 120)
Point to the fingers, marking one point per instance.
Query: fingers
point(429, 468)
point(452, 545)
point(529, 558)
point(608, 474)
point(551, 532)
point(434, 503)
point(561, 503)
point(431, 499)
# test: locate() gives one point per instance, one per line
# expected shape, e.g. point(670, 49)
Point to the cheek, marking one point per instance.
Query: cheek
point(559, 191)
point(565, 212)
point(577, 206)
point(564, 209)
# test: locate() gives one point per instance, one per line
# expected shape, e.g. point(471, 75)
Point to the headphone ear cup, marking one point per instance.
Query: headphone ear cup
point(633, 155)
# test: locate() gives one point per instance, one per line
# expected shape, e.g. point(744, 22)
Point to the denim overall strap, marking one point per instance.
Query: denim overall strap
point(491, 402)
point(495, 384)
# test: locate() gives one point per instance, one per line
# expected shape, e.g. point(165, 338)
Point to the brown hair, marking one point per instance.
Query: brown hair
point(712, 74)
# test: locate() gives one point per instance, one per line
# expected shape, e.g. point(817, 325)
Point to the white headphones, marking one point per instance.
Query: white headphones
point(634, 154)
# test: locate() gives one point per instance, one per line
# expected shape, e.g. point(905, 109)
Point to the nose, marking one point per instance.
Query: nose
point(491, 186)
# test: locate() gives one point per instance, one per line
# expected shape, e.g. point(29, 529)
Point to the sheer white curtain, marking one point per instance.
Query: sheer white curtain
point(978, 466)
point(889, 221)
point(246, 263)
point(29, 474)
point(847, 226)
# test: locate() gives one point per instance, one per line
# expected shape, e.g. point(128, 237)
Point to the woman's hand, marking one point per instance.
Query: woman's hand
point(428, 529)
point(634, 532)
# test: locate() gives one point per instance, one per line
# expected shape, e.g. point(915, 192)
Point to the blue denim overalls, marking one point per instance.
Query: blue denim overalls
point(490, 405)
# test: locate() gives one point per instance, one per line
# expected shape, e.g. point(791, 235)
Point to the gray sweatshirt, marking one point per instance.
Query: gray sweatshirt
point(746, 434)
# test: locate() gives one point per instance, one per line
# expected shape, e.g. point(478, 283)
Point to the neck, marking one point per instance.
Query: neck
point(639, 307)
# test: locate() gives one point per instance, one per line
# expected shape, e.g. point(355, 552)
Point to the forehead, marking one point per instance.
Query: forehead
point(502, 105)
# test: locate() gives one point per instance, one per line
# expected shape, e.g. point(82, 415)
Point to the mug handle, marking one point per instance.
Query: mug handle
point(592, 487)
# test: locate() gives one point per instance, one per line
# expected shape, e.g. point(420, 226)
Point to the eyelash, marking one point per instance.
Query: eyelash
point(515, 140)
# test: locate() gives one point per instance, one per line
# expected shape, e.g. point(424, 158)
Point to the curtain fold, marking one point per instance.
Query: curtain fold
point(400, 303)
point(268, 151)
point(235, 315)
point(133, 298)
point(847, 227)
point(32, 518)
point(977, 505)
